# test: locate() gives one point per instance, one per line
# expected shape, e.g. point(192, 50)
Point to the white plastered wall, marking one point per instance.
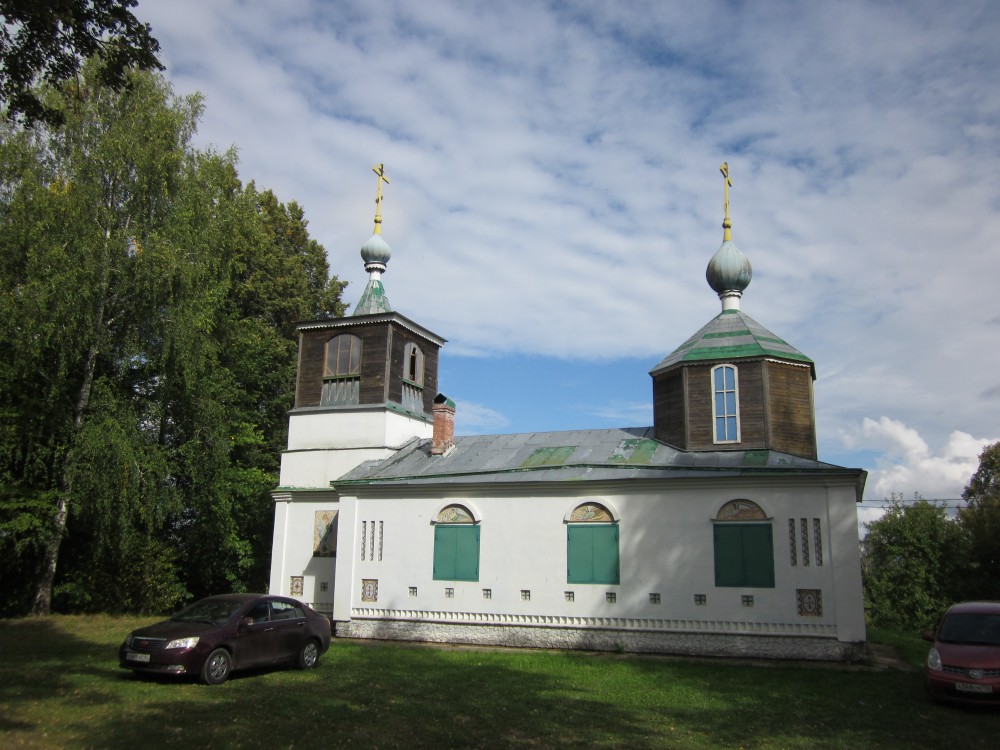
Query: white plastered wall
point(666, 548)
point(307, 469)
point(324, 445)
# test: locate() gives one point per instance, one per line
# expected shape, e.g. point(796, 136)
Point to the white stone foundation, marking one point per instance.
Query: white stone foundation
point(599, 639)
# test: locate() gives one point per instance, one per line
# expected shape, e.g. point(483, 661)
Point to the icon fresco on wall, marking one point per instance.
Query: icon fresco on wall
point(591, 513)
point(325, 534)
point(455, 514)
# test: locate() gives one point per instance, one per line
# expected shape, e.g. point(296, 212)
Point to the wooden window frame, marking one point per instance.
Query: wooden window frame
point(725, 416)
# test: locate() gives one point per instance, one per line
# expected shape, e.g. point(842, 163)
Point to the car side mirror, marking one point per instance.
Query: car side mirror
point(927, 635)
point(246, 623)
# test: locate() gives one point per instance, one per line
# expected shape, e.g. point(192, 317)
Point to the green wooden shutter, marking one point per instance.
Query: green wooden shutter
point(579, 555)
point(744, 555)
point(728, 556)
point(758, 556)
point(456, 552)
point(444, 553)
point(467, 553)
point(592, 554)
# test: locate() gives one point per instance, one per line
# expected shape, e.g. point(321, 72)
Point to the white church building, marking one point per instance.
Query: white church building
point(715, 531)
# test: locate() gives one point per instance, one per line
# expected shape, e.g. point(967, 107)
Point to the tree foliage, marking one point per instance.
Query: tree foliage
point(980, 521)
point(46, 41)
point(912, 562)
point(147, 303)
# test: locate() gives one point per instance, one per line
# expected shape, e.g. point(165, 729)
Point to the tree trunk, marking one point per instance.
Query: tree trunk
point(42, 604)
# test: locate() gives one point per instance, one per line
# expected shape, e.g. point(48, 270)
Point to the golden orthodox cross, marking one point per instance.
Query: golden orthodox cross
point(380, 171)
point(726, 223)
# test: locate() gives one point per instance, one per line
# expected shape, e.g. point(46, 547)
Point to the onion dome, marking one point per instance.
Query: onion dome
point(729, 271)
point(375, 253)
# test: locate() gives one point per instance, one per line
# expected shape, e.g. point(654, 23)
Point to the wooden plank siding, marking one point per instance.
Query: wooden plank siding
point(382, 366)
point(790, 406)
point(669, 408)
point(775, 408)
point(701, 425)
point(399, 338)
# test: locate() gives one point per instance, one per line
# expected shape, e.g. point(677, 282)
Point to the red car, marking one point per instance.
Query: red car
point(217, 635)
point(964, 663)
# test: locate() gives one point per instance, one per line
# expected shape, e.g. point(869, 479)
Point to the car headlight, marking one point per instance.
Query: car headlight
point(934, 660)
point(128, 640)
point(183, 643)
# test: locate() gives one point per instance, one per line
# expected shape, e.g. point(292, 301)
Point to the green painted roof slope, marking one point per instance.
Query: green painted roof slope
point(732, 334)
point(373, 300)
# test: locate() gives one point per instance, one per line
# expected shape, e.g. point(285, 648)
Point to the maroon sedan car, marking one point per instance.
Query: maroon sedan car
point(964, 663)
point(217, 635)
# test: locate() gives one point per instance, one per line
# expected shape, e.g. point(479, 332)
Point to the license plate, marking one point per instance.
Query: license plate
point(970, 687)
point(133, 656)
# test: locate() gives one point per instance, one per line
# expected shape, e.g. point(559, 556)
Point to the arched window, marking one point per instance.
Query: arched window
point(592, 545)
point(413, 364)
point(456, 545)
point(725, 404)
point(342, 371)
point(413, 378)
point(744, 547)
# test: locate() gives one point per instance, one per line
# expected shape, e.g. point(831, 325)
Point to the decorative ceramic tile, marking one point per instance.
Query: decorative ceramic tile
point(805, 542)
point(296, 586)
point(810, 602)
point(793, 546)
point(818, 541)
point(369, 589)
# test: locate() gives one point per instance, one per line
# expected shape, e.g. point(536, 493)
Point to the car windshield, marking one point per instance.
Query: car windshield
point(210, 611)
point(972, 629)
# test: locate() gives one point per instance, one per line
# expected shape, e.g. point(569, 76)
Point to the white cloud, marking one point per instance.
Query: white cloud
point(907, 465)
point(473, 419)
point(555, 188)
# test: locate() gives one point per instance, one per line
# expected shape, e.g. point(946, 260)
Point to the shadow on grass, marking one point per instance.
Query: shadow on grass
point(381, 697)
point(62, 687)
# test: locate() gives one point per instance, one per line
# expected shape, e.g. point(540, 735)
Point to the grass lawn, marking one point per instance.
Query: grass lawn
point(60, 687)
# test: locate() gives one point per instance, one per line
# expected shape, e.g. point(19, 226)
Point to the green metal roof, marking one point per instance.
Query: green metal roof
point(732, 334)
point(373, 300)
point(574, 456)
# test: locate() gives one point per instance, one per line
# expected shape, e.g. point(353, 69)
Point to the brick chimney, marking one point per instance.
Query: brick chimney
point(444, 425)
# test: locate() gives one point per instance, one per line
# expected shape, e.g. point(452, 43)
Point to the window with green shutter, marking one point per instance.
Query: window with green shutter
point(592, 553)
point(744, 555)
point(456, 552)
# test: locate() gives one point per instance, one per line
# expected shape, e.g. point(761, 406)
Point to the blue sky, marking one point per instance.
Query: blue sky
point(556, 197)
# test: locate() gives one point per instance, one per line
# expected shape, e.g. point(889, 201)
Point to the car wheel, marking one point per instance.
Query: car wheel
point(217, 667)
point(309, 655)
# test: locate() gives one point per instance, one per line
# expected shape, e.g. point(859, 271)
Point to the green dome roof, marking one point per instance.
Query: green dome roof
point(732, 334)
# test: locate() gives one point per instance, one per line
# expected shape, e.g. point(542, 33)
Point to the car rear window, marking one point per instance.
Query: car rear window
point(285, 611)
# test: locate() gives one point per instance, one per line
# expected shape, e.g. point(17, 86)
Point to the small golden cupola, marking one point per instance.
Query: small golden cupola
point(734, 385)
